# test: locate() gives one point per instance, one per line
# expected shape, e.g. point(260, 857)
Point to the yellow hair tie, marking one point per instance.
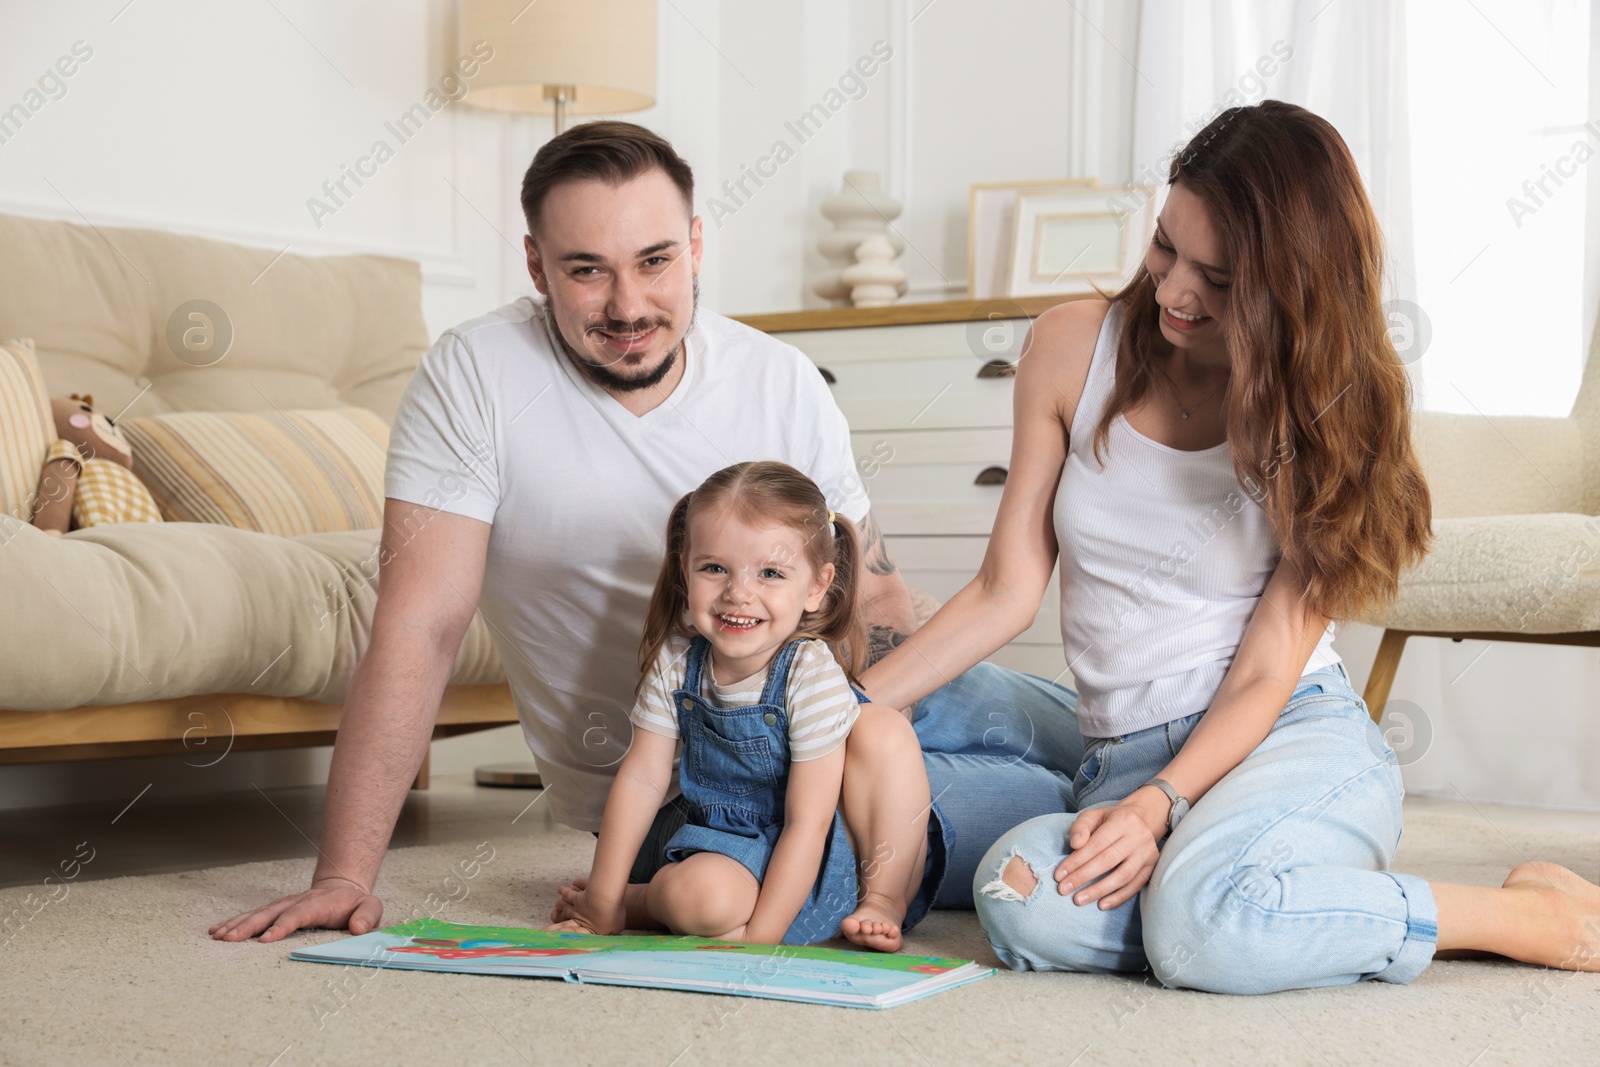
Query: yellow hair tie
point(831, 517)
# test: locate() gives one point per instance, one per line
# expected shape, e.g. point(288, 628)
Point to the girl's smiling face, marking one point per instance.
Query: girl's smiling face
point(749, 586)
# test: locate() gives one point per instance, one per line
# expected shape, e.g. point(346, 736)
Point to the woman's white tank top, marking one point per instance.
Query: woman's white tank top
point(1164, 556)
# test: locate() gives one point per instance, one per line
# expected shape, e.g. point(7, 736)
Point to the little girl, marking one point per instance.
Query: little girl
point(751, 645)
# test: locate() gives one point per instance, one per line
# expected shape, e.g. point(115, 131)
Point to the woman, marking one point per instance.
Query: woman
point(1220, 455)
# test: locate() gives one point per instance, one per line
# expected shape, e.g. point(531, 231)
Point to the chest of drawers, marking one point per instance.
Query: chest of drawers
point(927, 389)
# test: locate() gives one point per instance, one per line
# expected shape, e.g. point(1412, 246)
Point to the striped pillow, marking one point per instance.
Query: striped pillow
point(26, 427)
point(286, 473)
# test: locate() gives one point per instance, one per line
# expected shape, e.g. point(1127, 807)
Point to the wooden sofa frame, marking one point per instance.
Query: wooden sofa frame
point(207, 728)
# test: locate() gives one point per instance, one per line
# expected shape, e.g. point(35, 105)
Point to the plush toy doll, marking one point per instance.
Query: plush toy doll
point(88, 474)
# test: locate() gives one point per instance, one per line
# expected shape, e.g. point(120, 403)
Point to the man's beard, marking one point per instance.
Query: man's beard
point(601, 373)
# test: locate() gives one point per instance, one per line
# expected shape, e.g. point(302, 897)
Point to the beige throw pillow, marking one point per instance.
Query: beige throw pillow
point(26, 427)
point(286, 473)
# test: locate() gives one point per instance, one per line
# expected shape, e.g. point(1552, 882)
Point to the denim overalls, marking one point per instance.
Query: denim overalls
point(734, 775)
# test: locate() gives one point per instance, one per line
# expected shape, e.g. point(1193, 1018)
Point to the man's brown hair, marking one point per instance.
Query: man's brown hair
point(609, 151)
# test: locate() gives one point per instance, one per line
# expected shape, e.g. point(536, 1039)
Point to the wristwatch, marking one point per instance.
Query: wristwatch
point(1180, 805)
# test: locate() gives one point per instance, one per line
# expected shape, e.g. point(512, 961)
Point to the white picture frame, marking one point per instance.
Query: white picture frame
point(991, 208)
point(1079, 240)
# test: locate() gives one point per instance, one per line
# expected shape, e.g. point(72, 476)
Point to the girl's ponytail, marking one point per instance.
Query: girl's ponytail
point(839, 622)
point(670, 600)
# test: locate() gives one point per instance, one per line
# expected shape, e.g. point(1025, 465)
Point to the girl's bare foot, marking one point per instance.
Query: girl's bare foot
point(633, 902)
point(1564, 917)
point(875, 924)
point(639, 917)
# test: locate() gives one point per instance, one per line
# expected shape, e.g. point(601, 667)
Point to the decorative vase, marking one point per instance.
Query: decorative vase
point(874, 281)
point(859, 210)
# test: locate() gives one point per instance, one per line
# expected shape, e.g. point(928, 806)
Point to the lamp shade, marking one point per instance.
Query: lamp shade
point(604, 49)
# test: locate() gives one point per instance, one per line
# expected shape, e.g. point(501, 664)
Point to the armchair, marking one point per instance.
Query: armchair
point(1517, 524)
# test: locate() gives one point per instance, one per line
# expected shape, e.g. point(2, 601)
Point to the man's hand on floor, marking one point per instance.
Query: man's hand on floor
point(330, 904)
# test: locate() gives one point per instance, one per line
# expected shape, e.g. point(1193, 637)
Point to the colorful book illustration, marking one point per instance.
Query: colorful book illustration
point(656, 961)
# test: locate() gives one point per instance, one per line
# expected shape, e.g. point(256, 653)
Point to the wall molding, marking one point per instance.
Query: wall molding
point(899, 146)
point(899, 107)
point(1084, 114)
point(439, 266)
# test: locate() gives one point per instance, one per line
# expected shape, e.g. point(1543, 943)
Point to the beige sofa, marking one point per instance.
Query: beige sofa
point(142, 638)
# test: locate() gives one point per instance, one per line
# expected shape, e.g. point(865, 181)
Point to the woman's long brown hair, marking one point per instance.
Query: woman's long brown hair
point(1318, 410)
point(775, 494)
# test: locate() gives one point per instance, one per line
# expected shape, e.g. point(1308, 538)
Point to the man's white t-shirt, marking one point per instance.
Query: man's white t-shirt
point(497, 426)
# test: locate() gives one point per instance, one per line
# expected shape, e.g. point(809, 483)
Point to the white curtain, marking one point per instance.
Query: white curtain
point(1343, 60)
point(1500, 94)
point(1591, 259)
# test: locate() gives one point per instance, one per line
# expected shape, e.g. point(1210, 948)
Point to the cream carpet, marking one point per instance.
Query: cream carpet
point(121, 972)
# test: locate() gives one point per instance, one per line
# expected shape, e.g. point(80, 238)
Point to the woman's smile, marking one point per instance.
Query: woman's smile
point(1181, 321)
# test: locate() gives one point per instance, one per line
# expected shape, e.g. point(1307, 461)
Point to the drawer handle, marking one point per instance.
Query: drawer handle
point(827, 376)
point(991, 476)
point(998, 369)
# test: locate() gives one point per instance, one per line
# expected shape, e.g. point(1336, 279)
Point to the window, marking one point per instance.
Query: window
point(1502, 148)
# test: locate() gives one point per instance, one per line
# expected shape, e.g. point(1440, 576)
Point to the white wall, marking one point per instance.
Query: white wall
point(224, 120)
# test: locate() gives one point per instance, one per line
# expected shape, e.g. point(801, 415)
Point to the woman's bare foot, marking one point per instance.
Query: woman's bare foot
point(1564, 917)
point(875, 924)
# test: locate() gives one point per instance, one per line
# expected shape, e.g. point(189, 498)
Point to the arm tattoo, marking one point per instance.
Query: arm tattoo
point(881, 640)
point(874, 553)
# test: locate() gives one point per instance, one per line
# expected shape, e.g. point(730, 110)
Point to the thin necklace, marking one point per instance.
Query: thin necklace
point(1196, 405)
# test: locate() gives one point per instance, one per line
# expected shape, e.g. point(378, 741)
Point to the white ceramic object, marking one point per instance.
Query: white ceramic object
point(874, 281)
point(859, 210)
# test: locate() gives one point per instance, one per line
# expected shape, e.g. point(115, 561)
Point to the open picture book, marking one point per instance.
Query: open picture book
point(807, 974)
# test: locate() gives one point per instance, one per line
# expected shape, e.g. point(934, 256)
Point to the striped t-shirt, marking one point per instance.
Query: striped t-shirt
point(820, 703)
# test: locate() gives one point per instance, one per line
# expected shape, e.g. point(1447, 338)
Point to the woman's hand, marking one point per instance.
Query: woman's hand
point(1118, 842)
point(578, 912)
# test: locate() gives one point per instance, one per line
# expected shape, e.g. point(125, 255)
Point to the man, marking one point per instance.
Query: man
point(532, 465)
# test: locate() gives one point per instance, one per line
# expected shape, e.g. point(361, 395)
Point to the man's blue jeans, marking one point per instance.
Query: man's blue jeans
point(1000, 748)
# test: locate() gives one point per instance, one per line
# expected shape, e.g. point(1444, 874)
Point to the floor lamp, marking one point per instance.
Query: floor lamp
point(562, 57)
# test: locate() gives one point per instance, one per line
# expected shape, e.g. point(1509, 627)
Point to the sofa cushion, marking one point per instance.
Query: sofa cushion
point(26, 428)
point(191, 324)
point(288, 473)
point(139, 611)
